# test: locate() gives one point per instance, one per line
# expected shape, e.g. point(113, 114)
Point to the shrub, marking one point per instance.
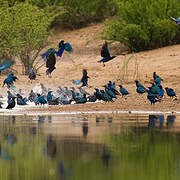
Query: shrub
point(144, 24)
point(23, 31)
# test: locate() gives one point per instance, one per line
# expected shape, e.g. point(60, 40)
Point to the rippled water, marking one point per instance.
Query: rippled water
point(90, 147)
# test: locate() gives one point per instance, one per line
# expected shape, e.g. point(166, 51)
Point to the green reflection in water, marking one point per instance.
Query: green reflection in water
point(29, 153)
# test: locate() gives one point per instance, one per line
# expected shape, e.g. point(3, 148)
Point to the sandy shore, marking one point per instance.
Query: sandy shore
point(124, 69)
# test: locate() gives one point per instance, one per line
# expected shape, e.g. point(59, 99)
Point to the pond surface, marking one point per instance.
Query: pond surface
point(92, 147)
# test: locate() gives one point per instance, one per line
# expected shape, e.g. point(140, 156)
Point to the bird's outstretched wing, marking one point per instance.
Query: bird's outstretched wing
point(6, 64)
point(68, 47)
point(174, 19)
point(76, 82)
point(49, 51)
point(105, 50)
point(60, 52)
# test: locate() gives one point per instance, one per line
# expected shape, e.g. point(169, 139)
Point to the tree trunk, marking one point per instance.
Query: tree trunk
point(27, 64)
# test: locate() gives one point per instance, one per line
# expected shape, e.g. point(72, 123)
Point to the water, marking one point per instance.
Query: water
point(90, 147)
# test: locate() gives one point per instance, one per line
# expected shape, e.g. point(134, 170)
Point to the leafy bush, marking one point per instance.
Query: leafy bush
point(144, 24)
point(23, 31)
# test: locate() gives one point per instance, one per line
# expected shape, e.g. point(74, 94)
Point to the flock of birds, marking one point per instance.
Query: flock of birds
point(65, 96)
point(40, 95)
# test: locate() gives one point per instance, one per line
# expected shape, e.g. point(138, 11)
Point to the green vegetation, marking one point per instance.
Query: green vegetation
point(146, 24)
point(26, 24)
point(23, 32)
point(140, 25)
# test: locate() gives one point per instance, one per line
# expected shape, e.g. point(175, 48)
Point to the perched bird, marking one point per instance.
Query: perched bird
point(105, 53)
point(112, 87)
point(152, 97)
point(176, 20)
point(75, 95)
point(161, 92)
point(170, 92)
point(32, 96)
point(50, 64)
point(21, 100)
point(92, 98)
point(139, 87)
point(64, 100)
point(9, 80)
point(98, 94)
point(68, 92)
point(156, 76)
point(32, 74)
point(41, 99)
point(110, 92)
point(51, 99)
point(105, 96)
point(81, 100)
point(11, 103)
point(44, 90)
point(6, 63)
point(154, 89)
point(36, 101)
point(140, 90)
point(138, 84)
point(158, 81)
point(123, 91)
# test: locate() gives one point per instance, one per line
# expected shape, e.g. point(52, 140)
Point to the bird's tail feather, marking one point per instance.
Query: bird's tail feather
point(76, 82)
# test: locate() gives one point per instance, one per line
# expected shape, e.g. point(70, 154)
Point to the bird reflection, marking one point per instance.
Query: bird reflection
point(41, 119)
point(155, 118)
point(4, 155)
point(85, 128)
point(13, 119)
point(50, 149)
point(110, 119)
point(106, 156)
point(32, 131)
point(61, 170)
point(170, 120)
point(11, 138)
point(49, 119)
point(64, 173)
point(99, 119)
